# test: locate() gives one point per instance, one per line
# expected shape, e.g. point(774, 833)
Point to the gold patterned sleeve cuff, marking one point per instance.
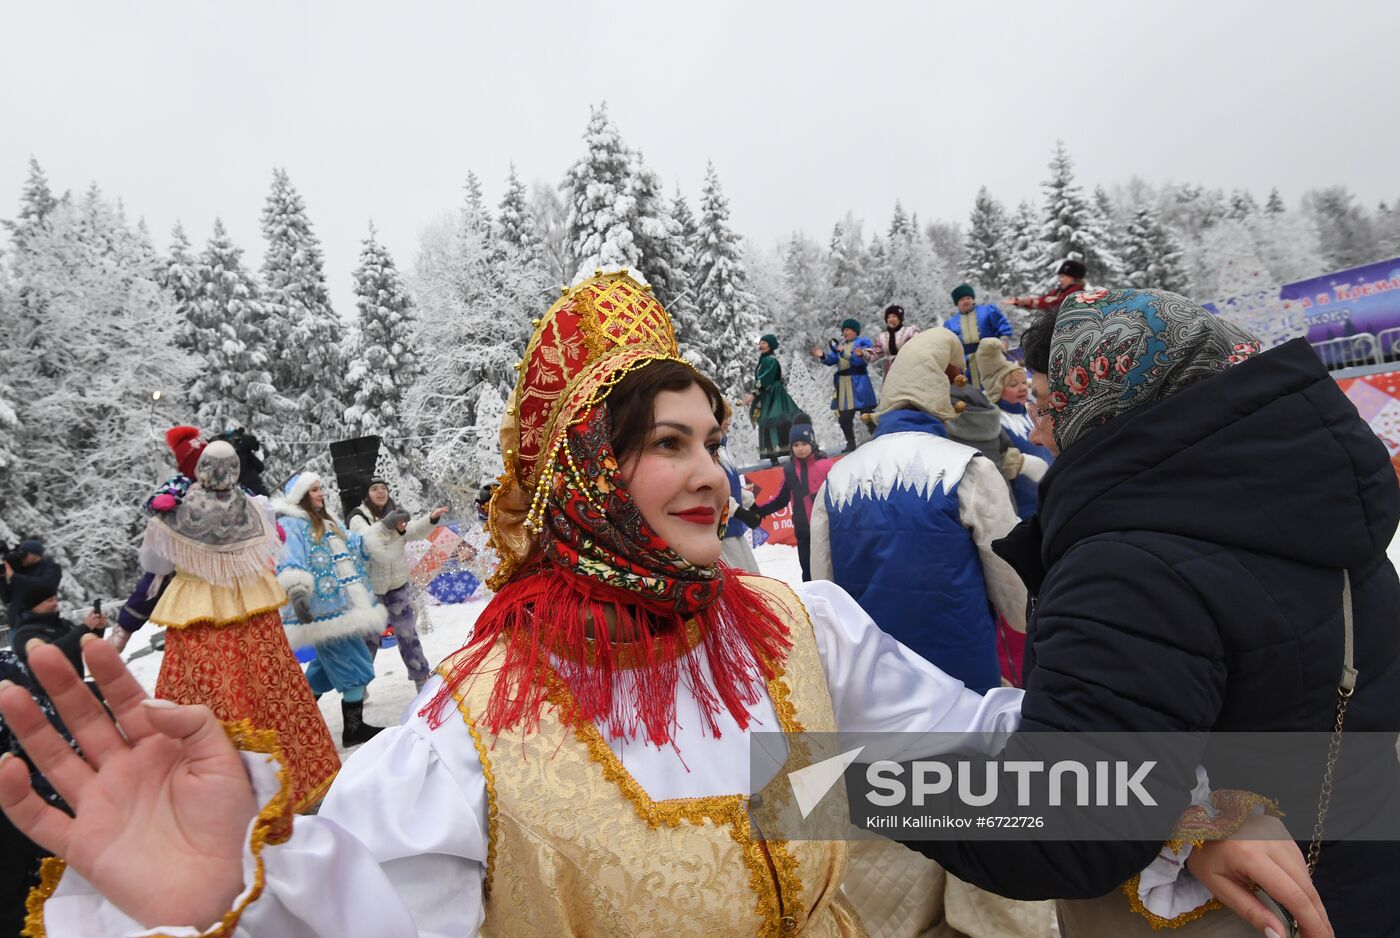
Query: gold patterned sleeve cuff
point(273, 825)
point(1229, 809)
point(1158, 922)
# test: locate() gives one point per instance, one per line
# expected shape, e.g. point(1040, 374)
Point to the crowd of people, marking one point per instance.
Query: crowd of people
point(1197, 544)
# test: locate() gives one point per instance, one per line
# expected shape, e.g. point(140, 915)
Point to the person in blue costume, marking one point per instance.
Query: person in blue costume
point(1006, 385)
point(906, 524)
point(851, 389)
point(974, 322)
point(332, 606)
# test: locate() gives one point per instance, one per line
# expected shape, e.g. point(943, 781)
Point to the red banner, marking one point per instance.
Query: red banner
point(1377, 399)
point(767, 483)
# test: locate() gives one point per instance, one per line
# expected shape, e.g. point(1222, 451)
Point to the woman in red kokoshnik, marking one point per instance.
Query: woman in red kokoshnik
point(580, 767)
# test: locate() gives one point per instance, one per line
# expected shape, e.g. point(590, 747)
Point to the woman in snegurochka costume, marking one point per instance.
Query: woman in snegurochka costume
point(332, 606)
point(771, 407)
point(225, 647)
point(580, 767)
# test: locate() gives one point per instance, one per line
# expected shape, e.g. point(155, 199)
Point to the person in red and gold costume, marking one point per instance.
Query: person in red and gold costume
point(580, 767)
point(225, 645)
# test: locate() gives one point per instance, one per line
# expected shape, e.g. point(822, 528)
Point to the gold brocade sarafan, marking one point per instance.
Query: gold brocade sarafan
point(577, 847)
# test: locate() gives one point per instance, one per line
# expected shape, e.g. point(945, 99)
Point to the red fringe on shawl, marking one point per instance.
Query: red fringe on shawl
point(627, 683)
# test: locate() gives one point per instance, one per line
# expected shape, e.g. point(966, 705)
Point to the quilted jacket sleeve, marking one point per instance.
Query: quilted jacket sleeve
point(1122, 643)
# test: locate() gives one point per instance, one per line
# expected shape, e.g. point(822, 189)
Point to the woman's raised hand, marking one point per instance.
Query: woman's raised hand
point(161, 806)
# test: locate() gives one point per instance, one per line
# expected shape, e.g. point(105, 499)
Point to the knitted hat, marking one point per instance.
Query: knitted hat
point(184, 442)
point(802, 433)
point(964, 290)
point(895, 311)
point(994, 367)
point(1073, 269)
point(853, 324)
point(298, 485)
point(31, 545)
point(771, 339)
point(36, 593)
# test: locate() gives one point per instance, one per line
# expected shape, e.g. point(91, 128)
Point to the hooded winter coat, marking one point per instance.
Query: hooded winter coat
point(1185, 568)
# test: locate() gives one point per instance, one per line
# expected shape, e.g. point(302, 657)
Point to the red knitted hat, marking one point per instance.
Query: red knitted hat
point(185, 443)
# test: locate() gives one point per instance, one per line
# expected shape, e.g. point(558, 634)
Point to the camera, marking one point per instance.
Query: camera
point(11, 555)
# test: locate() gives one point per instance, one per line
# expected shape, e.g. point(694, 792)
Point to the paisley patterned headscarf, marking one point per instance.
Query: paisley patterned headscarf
point(1115, 350)
point(587, 592)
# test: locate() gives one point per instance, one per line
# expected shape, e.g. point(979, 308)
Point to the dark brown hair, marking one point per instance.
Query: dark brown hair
point(632, 404)
point(1035, 342)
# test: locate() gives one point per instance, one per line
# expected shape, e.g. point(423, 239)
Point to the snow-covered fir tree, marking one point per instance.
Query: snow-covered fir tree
point(727, 311)
point(899, 223)
point(684, 243)
point(878, 281)
point(1242, 204)
point(36, 200)
point(384, 364)
point(1025, 272)
point(946, 243)
point(1275, 204)
point(1346, 232)
point(845, 282)
point(9, 429)
point(1152, 258)
point(987, 261)
point(662, 251)
point(181, 278)
point(550, 213)
point(227, 329)
point(1114, 225)
point(602, 205)
point(1224, 262)
point(301, 330)
point(474, 315)
point(805, 322)
point(1071, 228)
point(82, 357)
point(516, 223)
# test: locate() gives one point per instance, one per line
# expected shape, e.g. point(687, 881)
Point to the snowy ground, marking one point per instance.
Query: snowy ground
point(392, 692)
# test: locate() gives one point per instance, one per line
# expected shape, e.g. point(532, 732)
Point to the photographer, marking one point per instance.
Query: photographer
point(26, 569)
point(40, 624)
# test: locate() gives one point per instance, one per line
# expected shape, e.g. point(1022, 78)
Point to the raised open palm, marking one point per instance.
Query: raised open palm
point(161, 813)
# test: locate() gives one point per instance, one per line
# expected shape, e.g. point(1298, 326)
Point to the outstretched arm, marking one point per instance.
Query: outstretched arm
point(397, 850)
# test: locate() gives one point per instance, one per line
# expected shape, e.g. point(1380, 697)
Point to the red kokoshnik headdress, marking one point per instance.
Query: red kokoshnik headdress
point(576, 554)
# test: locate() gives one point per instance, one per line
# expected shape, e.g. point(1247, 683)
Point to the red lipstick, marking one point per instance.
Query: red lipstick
point(697, 515)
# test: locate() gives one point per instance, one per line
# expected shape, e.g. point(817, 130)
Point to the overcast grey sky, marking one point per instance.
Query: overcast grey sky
point(808, 109)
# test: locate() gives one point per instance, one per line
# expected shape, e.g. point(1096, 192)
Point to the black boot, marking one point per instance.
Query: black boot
point(354, 729)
